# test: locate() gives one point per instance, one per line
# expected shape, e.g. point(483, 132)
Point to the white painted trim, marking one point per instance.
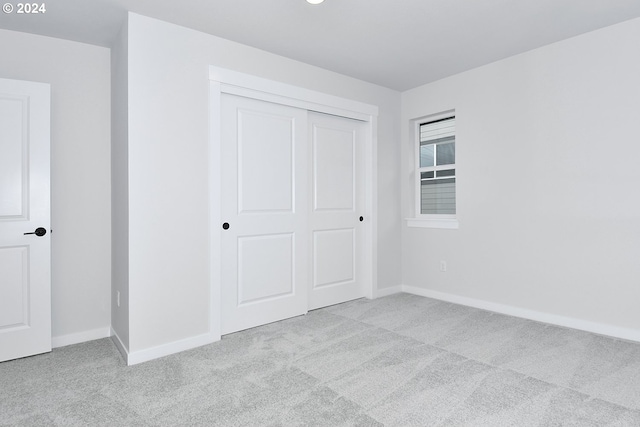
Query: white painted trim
point(233, 82)
point(553, 319)
point(215, 212)
point(371, 201)
point(391, 290)
point(79, 337)
point(236, 83)
point(135, 357)
point(433, 223)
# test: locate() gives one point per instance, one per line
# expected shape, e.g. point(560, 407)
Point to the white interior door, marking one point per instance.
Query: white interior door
point(264, 208)
point(337, 213)
point(25, 266)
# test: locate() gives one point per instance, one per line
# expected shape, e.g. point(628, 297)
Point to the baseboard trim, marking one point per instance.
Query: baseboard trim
point(79, 337)
point(554, 319)
point(135, 357)
point(384, 292)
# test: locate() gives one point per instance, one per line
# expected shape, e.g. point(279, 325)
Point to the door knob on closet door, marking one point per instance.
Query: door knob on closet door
point(40, 231)
point(225, 226)
point(361, 219)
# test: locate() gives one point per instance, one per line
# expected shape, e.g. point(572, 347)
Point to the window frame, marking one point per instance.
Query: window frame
point(430, 220)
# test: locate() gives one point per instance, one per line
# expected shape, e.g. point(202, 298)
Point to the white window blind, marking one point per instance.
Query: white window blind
point(440, 129)
point(437, 167)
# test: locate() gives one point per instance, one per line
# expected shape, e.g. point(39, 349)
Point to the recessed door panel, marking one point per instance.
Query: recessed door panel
point(13, 156)
point(265, 161)
point(265, 267)
point(333, 257)
point(333, 168)
point(14, 292)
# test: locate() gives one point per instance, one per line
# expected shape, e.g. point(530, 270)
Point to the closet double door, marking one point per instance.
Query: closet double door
point(293, 211)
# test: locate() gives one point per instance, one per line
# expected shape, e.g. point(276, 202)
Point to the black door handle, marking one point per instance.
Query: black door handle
point(40, 231)
point(361, 219)
point(225, 226)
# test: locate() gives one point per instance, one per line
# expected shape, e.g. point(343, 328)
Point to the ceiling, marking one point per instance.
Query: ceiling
point(399, 44)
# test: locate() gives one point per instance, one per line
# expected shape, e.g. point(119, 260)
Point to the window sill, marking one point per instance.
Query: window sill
point(448, 223)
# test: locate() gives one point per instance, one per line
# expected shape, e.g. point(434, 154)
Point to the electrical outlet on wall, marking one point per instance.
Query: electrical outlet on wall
point(443, 266)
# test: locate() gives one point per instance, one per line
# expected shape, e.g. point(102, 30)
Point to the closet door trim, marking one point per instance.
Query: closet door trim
point(232, 82)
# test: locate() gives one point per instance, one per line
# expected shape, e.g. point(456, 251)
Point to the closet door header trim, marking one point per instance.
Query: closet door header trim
point(235, 83)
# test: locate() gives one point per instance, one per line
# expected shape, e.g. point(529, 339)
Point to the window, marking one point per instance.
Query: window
point(437, 167)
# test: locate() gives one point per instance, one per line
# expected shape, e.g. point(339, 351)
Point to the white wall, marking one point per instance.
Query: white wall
point(80, 187)
point(547, 158)
point(168, 170)
point(120, 191)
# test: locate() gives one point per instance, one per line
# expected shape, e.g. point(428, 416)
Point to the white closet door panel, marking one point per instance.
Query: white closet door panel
point(266, 267)
point(265, 161)
point(334, 152)
point(338, 202)
point(334, 257)
point(265, 248)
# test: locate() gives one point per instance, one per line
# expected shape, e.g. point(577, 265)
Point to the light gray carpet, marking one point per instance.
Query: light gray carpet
point(402, 360)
